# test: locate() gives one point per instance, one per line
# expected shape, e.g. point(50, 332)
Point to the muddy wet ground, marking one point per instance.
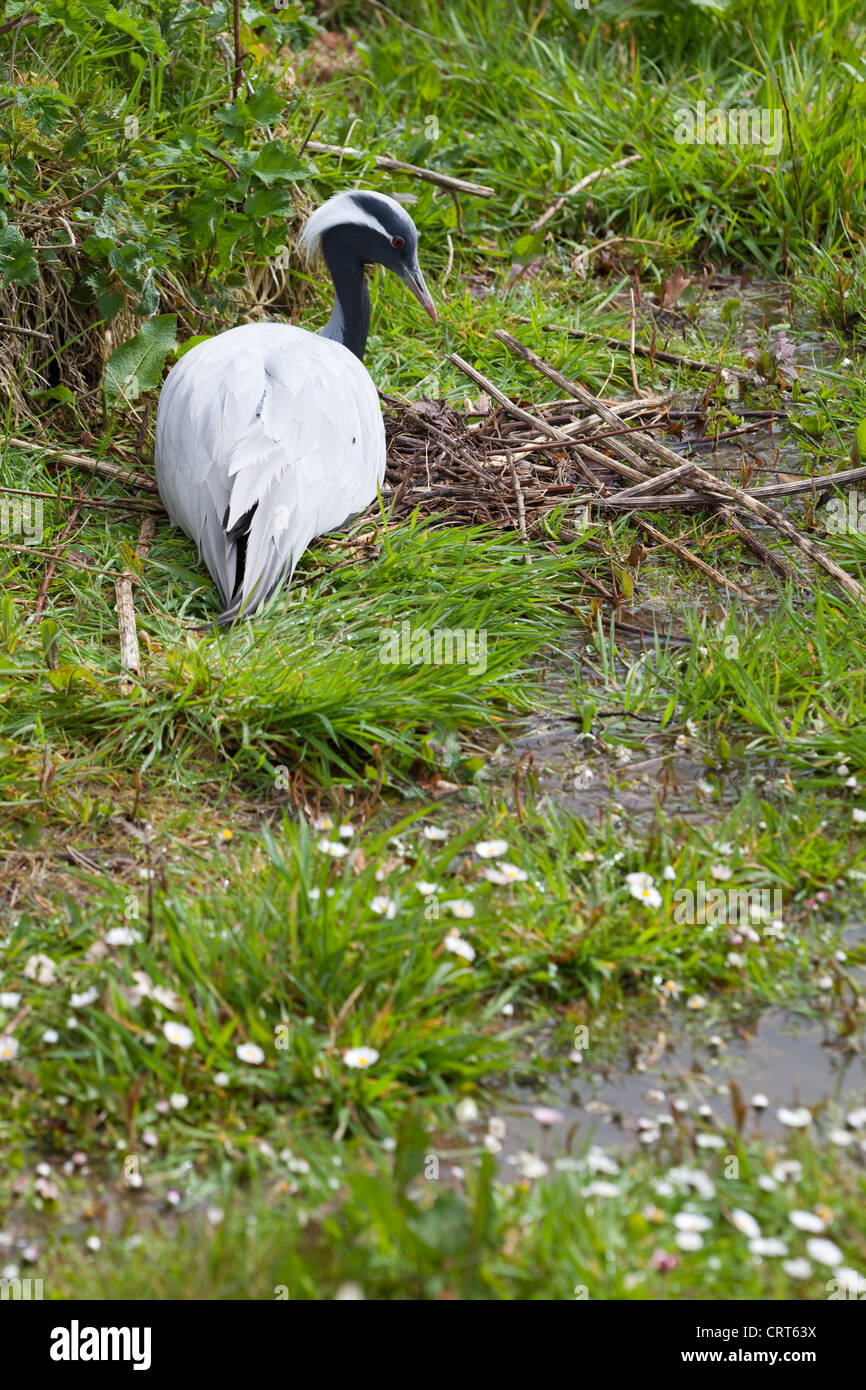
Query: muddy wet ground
point(783, 1059)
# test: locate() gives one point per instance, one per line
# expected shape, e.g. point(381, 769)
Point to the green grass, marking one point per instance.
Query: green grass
point(386, 1232)
point(164, 849)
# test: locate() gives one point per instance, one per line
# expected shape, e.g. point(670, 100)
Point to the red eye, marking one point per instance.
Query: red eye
point(396, 241)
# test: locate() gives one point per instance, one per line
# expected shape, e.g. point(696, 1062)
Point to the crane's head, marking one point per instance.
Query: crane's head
point(361, 228)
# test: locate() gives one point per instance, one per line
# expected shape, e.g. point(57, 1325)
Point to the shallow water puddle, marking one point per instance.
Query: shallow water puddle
point(673, 1082)
point(589, 782)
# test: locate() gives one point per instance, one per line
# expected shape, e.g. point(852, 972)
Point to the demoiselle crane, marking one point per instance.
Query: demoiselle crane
point(269, 435)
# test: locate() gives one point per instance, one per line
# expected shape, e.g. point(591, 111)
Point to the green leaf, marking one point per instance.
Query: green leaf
point(144, 31)
point(149, 299)
point(17, 262)
point(527, 246)
point(268, 202)
point(191, 343)
point(109, 301)
point(62, 394)
point(137, 364)
point(266, 105)
point(276, 162)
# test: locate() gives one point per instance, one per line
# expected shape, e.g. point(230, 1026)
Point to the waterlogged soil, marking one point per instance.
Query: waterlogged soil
point(592, 776)
point(590, 780)
point(662, 1085)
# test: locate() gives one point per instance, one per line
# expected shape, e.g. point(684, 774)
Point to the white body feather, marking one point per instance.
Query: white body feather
point(271, 416)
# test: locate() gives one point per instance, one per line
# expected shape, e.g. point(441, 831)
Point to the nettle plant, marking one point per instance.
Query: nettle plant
point(135, 187)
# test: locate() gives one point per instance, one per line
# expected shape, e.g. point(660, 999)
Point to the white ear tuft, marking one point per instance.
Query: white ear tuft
point(341, 209)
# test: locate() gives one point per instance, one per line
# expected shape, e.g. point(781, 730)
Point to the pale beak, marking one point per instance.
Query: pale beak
point(414, 281)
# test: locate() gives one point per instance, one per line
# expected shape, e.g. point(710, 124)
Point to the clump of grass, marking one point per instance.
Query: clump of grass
point(325, 679)
point(423, 1227)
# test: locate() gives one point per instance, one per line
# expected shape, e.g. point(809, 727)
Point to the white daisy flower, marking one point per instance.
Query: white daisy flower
point(789, 1170)
point(491, 849)
point(806, 1221)
point(857, 1118)
point(546, 1115)
point(598, 1161)
point(530, 1165)
point(360, 1057)
point(40, 968)
point(50, 1036)
point(496, 1126)
point(858, 816)
point(759, 1101)
point(427, 889)
point(823, 1251)
point(81, 1001)
point(8, 1047)
point(768, 1245)
point(641, 887)
point(9, 999)
point(466, 1111)
point(797, 1269)
point(841, 1137)
point(601, 1189)
point(691, 1221)
point(505, 873)
point(122, 936)
point(384, 907)
point(689, 1240)
point(460, 907)
point(178, 1101)
point(668, 873)
point(459, 946)
point(335, 848)
point(432, 832)
point(794, 1119)
point(745, 1224)
point(167, 998)
point(349, 1293)
point(250, 1053)
point(178, 1034)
